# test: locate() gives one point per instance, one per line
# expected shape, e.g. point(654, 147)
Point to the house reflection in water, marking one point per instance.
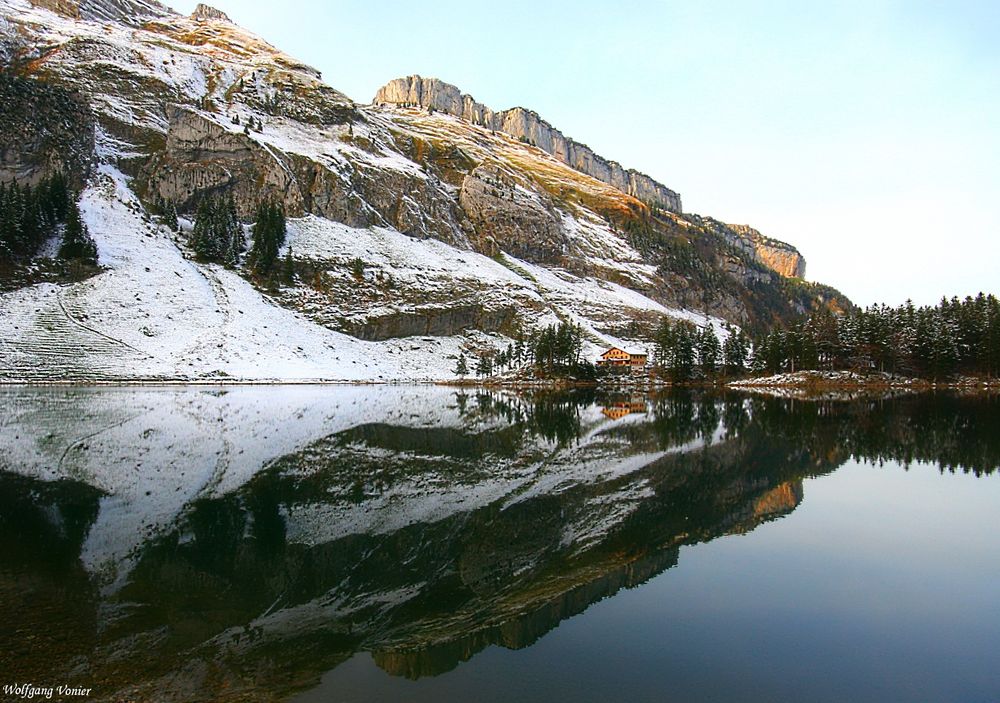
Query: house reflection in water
point(618, 410)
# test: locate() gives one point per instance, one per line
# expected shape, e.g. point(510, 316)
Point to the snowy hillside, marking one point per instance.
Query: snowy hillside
point(157, 315)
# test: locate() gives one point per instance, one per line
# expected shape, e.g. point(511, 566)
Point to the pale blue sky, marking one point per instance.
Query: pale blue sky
point(865, 133)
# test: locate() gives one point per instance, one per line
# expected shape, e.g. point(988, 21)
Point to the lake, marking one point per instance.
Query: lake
point(383, 543)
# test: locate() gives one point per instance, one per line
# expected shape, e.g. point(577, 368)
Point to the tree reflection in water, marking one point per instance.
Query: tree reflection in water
point(425, 541)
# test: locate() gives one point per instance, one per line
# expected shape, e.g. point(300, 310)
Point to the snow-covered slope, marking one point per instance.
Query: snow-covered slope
point(156, 315)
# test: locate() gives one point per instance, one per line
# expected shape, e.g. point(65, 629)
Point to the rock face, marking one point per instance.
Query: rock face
point(207, 12)
point(67, 8)
point(527, 126)
point(201, 156)
point(45, 129)
point(776, 255)
point(784, 259)
point(439, 322)
point(519, 221)
point(126, 11)
point(204, 155)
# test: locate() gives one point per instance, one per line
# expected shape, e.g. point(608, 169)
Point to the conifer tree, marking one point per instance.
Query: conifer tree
point(233, 236)
point(10, 220)
point(217, 235)
point(31, 222)
point(358, 268)
point(676, 348)
point(29, 215)
point(288, 269)
point(558, 346)
point(991, 353)
point(269, 234)
point(204, 238)
point(76, 242)
point(708, 350)
point(684, 351)
point(462, 367)
point(484, 365)
point(6, 240)
point(169, 215)
point(735, 351)
point(54, 198)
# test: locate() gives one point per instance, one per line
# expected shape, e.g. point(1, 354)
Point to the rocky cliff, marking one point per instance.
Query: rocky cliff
point(46, 128)
point(133, 12)
point(207, 12)
point(782, 257)
point(526, 125)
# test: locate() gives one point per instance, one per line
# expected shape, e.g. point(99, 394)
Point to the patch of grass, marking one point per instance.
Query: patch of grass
point(502, 259)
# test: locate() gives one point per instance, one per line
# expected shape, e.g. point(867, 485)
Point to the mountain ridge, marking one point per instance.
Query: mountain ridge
point(523, 123)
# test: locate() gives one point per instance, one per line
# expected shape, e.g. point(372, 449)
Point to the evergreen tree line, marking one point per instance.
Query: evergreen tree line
point(953, 337)
point(492, 361)
point(551, 349)
point(684, 351)
point(218, 235)
point(29, 216)
point(558, 347)
point(167, 212)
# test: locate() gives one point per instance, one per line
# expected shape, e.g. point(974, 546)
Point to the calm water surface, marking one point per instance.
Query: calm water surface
point(425, 544)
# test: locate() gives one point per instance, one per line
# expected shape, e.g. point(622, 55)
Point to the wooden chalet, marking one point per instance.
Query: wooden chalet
point(621, 358)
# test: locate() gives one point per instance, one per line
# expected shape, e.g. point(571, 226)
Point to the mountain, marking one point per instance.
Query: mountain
point(421, 225)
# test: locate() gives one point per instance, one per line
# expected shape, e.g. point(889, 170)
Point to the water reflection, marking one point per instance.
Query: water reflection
point(240, 543)
point(617, 409)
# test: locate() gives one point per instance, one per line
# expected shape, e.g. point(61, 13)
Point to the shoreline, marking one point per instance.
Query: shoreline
point(851, 380)
point(169, 383)
point(801, 381)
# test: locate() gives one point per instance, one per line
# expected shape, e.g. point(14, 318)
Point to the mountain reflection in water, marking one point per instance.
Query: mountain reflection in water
point(213, 544)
